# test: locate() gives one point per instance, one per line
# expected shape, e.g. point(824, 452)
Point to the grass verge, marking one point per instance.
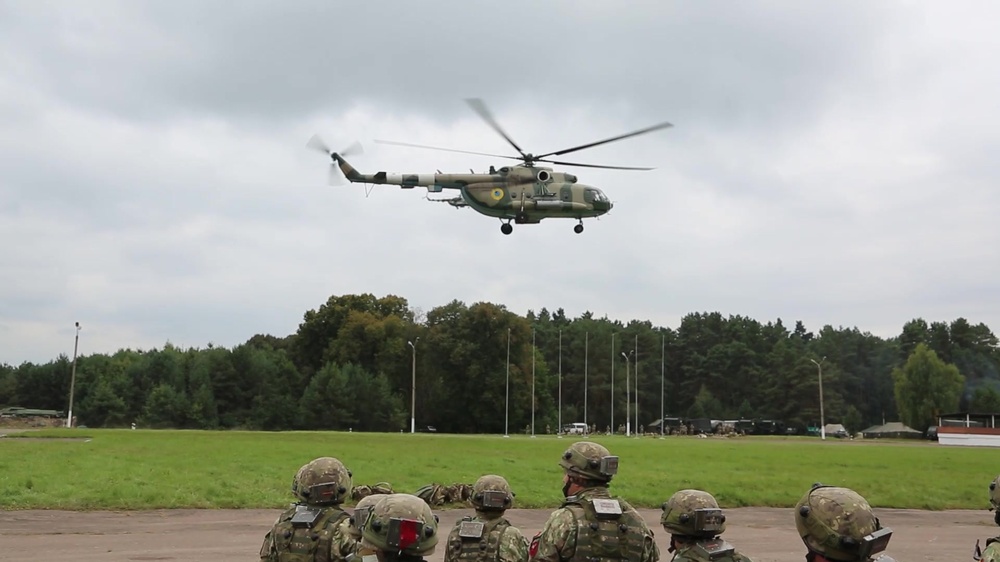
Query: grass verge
point(123, 469)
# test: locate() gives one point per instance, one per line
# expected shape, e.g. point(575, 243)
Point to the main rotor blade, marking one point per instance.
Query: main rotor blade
point(395, 143)
point(353, 150)
point(479, 107)
point(316, 143)
point(592, 165)
point(663, 125)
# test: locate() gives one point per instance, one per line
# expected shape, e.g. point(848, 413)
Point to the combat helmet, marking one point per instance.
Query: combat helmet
point(401, 523)
point(693, 513)
point(323, 481)
point(839, 524)
point(589, 460)
point(362, 510)
point(491, 493)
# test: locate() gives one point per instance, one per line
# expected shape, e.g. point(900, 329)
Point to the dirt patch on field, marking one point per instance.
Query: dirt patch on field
point(189, 535)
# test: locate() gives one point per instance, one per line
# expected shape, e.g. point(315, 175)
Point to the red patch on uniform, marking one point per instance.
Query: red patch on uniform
point(533, 549)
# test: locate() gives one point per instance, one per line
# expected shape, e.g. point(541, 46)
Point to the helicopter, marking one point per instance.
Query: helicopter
point(523, 194)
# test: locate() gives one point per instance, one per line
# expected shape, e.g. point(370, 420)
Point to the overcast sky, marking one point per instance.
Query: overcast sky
point(834, 162)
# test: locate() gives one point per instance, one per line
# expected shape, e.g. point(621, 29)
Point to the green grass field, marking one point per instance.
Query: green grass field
point(122, 469)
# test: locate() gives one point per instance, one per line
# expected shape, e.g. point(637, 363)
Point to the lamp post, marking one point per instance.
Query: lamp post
point(413, 388)
point(586, 356)
point(628, 398)
point(822, 422)
point(506, 407)
point(663, 370)
point(72, 377)
point(614, 429)
point(559, 423)
point(635, 362)
point(532, 382)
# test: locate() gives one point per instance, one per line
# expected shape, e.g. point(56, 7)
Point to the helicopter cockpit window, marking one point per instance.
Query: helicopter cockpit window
point(504, 170)
point(592, 195)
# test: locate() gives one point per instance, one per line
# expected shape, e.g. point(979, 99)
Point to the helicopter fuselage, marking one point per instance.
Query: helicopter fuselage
point(524, 194)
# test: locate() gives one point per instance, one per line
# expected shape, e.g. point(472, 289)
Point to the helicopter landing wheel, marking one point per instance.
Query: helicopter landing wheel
point(506, 228)
point(578, 228)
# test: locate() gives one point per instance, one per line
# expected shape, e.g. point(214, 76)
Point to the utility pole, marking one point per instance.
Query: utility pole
point(72, 377)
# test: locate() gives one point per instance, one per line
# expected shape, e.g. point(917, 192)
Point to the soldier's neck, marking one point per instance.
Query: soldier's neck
point(489, 515)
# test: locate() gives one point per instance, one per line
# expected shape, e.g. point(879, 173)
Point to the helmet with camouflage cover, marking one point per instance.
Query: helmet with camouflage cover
point(362, 510)
point(401, 523)
point(693, 513)
point(323, 481)
point(995, 494)
point(589, 460)
point(839, 524)
point(491, 493)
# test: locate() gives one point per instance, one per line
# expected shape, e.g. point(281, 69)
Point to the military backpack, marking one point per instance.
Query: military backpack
point(475, 540)
point(607, 530)
point(304, 534)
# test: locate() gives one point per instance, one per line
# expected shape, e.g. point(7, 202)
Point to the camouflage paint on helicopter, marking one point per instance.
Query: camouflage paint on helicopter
point(524, 194)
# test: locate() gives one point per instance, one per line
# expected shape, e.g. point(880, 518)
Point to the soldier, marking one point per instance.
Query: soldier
point(362, 510)
point(837, 524)
point(488, 536)
point(315, 528)
point(400, 528)
point(591, 526)
point(992, 552)
point(694, 521)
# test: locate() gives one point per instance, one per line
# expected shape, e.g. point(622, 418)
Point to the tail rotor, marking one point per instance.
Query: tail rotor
point(334, 174)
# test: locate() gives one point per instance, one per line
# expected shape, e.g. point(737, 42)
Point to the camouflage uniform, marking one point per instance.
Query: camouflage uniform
point(399, 528)
point(488, 536)
point(315, 528)
point(694, 521)
point(992, 552)
point(591, 526)
point(838, 524)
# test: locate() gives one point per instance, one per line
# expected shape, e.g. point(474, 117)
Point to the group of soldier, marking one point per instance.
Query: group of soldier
point(836, 524)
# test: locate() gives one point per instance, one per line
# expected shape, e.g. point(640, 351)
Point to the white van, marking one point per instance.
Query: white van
point(575, 429)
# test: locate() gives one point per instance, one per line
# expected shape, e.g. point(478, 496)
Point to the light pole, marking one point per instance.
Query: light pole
point(635, 362)
point(413, 388)
point(586, 356)
point(663, 364)
point(532, 382)
point(614, 429)
point(72, 377)
point(822, 422)
point(559, 423)
point(506, 407)
point(628, 398)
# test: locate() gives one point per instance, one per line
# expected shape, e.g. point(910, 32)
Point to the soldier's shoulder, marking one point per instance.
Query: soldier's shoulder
point(992, 551)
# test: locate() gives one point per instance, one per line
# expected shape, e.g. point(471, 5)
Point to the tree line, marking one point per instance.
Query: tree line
point(350, 365)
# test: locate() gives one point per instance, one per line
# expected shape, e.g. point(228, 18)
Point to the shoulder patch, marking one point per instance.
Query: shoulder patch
point(607, 507)
point(470, 529)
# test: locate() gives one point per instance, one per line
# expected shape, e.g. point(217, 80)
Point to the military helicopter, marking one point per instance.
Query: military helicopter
point(524, 193)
